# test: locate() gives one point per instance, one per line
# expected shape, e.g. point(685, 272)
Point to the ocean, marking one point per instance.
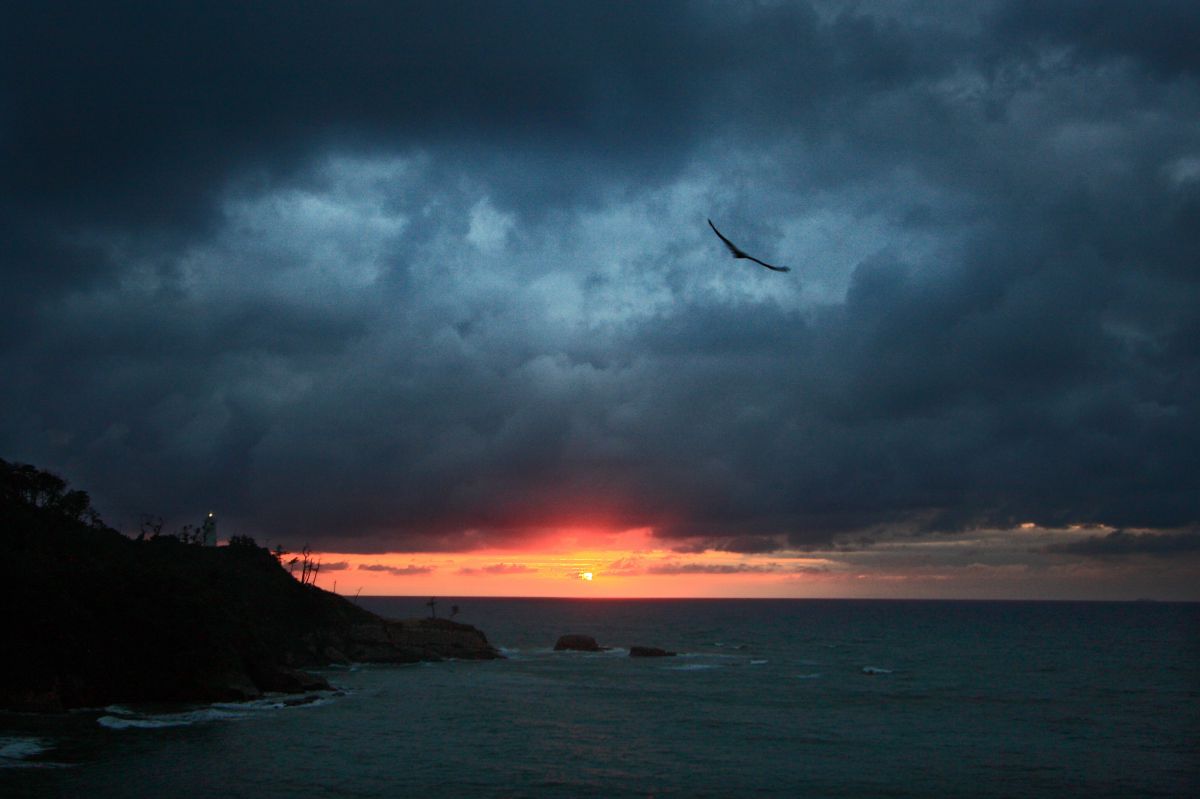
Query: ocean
point(766, 698)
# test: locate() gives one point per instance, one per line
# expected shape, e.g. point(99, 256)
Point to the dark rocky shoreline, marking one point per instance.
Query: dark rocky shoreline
point(95, 618)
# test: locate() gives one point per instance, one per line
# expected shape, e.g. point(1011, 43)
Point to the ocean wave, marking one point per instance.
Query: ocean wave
point(757, 662)
point(712, 656)
point(163, 720)
point(14, 751)
point(606, 652)
point(279, 702)
point(119, 717)
point(693, 667)
point(875, 670)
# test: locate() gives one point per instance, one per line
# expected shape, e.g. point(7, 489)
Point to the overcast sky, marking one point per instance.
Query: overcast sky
point(384, 276)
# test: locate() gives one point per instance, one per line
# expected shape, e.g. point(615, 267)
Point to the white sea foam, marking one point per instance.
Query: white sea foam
point(693, 667)
point(120, 717)
point(162, 720)
point(757, 662)
point(14, 751)
point(114, 723)
point(875, 670)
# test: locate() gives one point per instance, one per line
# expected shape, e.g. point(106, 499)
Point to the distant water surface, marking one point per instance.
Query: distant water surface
point(794, 698)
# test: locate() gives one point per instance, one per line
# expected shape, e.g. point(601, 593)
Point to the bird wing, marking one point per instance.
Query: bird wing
point(733, 248)
point(739, 253)
point(769, 266)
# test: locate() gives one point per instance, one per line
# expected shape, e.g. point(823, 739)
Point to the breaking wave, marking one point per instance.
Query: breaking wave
point(17, 752)
point(119, 717)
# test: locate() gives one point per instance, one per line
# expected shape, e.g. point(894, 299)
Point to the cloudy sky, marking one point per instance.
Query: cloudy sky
point(430, 288)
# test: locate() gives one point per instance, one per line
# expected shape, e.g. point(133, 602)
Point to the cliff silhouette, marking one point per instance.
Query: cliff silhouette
point(95, 617)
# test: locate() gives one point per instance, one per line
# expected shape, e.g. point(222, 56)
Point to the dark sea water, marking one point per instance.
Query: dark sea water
point(767, 698)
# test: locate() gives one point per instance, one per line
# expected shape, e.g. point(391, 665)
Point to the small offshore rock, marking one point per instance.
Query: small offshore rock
point(579, 643)
point(412, 640)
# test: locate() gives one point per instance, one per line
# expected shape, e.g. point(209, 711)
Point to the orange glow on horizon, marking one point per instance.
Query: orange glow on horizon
point(634, 564)
point(577, 563)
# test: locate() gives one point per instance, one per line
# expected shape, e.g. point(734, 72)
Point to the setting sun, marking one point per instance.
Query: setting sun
point(586, 575)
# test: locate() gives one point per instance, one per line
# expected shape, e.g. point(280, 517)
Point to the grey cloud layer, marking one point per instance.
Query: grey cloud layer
point(383, 277)
point(1121, 543)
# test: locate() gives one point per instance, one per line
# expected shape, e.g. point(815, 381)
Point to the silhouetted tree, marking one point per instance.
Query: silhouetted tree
point(151, 527)
point(22, 484)
point(309, 568)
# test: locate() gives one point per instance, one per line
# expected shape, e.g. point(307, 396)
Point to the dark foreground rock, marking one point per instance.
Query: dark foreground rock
point(649, 652)
point(579, 643)
point(94, 618)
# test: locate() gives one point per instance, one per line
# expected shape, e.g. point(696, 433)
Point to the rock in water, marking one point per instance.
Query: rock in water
point(579, 643)
point(649, 652)
point(410, 640)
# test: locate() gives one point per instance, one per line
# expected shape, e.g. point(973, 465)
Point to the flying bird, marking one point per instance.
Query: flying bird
point(739, 253)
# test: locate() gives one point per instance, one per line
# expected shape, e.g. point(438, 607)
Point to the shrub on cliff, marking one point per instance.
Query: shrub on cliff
point(25, 485)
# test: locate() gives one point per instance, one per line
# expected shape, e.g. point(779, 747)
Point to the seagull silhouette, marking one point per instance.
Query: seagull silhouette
point(739, 253)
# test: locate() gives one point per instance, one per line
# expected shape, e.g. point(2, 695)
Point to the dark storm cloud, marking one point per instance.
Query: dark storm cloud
point(1158, 35)
point(382, 276)
point(1121, 543)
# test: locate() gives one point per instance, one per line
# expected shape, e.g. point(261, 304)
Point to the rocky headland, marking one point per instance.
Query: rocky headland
point(94, 617)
